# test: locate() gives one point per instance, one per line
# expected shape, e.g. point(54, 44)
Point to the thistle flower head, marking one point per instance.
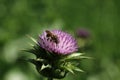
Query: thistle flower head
point(57, 41)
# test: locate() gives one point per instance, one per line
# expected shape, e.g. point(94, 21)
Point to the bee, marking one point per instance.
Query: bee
point(52, 37)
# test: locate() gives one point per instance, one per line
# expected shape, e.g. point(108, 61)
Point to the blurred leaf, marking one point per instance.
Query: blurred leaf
point(69, 69)
point(75, 56)
point(32, 39)
point(45, 66)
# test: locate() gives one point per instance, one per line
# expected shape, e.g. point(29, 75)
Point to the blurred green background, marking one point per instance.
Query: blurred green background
point(21, 17)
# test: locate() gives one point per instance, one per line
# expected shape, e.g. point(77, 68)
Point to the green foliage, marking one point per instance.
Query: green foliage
point(21, 17)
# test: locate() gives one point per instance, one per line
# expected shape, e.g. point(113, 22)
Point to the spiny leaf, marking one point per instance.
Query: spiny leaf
point(34, 62)
point(69, 69)
point(30, 44)
point(42, 60)
point(75, 58)
point(74, 55)
point(32, 39)
point(72, 67)
point(85, 57)
point(80, 70)
point(77, 69)
point(31, 51)
point(44, 66)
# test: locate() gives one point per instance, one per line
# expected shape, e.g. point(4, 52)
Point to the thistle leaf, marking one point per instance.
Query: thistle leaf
point(74, 55)
point(30, 44)
point(44, 66)
point(32, 61)
point(44, 61)
point(77, 69)
point(69, 69)
point(85, 57)
point(32, 39)
point(80, 70)
point(30, 51)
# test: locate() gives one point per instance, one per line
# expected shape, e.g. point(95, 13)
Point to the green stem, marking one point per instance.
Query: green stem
point(50, 78)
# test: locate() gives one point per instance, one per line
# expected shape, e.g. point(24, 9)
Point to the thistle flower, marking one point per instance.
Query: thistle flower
point(65, 43)
point(56, 54)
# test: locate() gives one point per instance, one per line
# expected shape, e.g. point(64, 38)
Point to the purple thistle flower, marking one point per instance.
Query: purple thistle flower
point(83, 33)
point(57, 41)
